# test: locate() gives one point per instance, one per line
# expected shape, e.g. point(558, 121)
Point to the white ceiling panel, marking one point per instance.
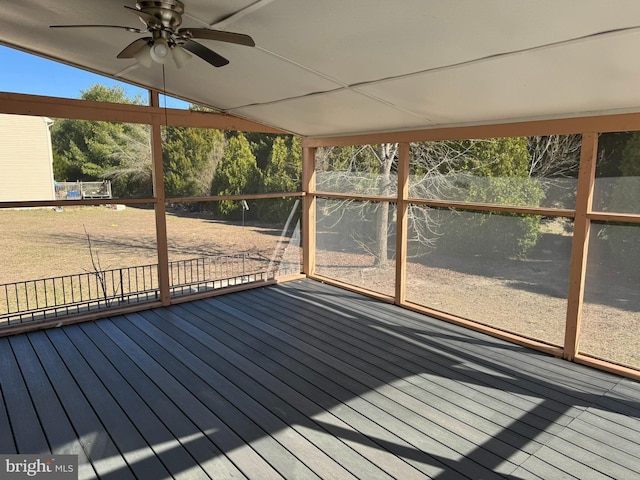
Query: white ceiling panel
point(366, 40)
point(251, 77)
point(577, 79)
point(333, 113)
point(333, 66)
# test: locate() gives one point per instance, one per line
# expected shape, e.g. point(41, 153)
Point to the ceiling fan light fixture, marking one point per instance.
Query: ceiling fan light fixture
point(160, 51)
point(180, 56)
point(166, 41)
point(143, 56)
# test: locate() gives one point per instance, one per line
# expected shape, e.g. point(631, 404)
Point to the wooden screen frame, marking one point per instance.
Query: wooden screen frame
point(155, 116)
point(583, 215)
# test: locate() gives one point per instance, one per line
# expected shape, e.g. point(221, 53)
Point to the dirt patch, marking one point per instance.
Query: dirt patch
point(523, 296)
point(527, 297)
point(43, 243)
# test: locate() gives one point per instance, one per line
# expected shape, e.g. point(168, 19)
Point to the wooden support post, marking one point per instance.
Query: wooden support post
point(580, 247)
point(402, 212)
point(160, 204)
point(309, 211)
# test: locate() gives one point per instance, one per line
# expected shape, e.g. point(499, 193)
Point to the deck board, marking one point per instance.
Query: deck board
point(440, 371)
point(147, 420)
point(99, 448)
point(414, 411)
point(26, 429)
point(272, 364)
point(322, 392)
point(304, 380)
point(290, 406)
point(138, 454)
point(7, 444)
point(185, 432)
point(52, 416)
point(351, 386)
point(234, 426)
point(296, 456)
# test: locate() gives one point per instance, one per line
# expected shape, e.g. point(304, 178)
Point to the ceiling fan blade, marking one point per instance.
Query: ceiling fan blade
point(219, 35)
point(204, 53)
point(128, 29)
point(145, 17)
point(133, 48)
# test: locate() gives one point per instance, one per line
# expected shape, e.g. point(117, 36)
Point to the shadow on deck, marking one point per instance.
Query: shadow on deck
point(304, 380)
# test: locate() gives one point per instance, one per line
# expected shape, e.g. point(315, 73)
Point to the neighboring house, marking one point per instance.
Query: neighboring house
point(26, 158)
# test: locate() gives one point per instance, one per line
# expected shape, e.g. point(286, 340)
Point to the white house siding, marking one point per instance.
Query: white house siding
point(26, 160)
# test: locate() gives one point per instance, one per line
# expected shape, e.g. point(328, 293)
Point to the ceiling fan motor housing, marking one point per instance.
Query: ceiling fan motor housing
point(168, 13)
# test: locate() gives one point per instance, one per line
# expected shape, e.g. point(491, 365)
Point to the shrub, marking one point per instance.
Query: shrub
point(497, 174)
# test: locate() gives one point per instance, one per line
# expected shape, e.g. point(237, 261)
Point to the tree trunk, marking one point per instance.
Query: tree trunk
point(381, 247)
point(386, 154)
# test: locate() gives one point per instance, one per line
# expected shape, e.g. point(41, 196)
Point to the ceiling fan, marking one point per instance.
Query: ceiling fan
point(162, 19)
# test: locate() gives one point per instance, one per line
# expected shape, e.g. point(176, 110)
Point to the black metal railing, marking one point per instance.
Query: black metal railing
point(44, 299)
point(206, 273)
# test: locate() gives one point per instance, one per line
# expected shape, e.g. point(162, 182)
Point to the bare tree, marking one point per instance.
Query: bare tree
point(554, 163)
point(98, 271)
point(371, 170)
point(468, 170)
point(554, 155)
point(134, 168)
point(387, 155)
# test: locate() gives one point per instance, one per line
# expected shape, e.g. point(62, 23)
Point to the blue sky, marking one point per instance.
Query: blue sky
point(23, 73)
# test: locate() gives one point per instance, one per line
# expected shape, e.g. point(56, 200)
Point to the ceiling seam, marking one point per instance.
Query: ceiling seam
point(222, 24)
point(343, 86)
point(497, 56)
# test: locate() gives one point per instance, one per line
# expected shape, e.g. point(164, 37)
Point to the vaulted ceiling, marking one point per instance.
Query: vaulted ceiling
point(331, 67)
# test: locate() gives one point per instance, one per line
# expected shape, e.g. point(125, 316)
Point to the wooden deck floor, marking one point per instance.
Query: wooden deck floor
point(303, 380)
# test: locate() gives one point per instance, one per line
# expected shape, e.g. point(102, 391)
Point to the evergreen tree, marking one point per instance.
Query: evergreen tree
point(494, 171)
point(190, 157)
point(283, 173)
point(284, 166)
point(236, 174)
point(261, 145)
point(86, 150)
point(623, 240)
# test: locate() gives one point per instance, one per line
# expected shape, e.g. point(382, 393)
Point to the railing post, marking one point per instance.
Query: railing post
point(122, 285)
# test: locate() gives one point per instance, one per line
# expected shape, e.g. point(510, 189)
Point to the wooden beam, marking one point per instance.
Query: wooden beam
point(402, 213)
point(490, 207)
point(471, 207)
point(73, 203)
point(79, 318)
point(220, 121)
point(356, 196)
point(160, 207)
point(309, 211)
point(614, 217)
point(563, 126)
point(21, 104)
point(608, 366)
point(479, 327)
point(250, 196)
point(35, 105)
point(353, 288)
point(580, 246)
